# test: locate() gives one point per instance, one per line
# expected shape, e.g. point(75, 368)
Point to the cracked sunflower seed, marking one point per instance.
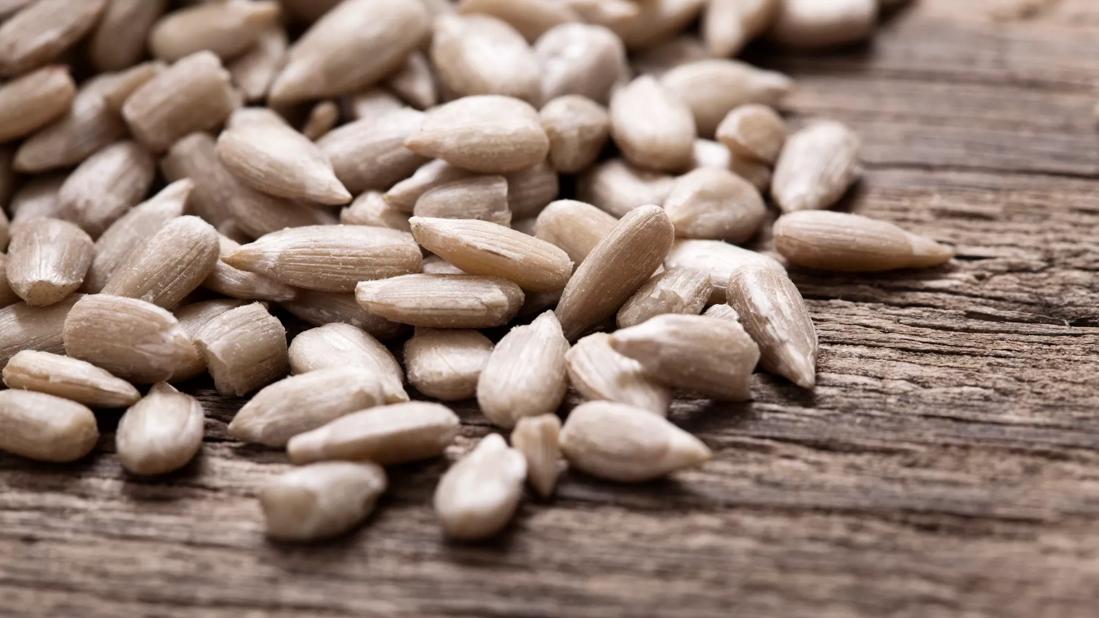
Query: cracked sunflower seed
point(536, 437)
point(578, 129)
point(244, 348)
point(322, 500)
point(191, 319)
point(676, 290)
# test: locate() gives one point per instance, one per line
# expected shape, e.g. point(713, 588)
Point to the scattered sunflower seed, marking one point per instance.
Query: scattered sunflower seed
point(479, 494)
point(598, 372)
point(715, 203)
point(473, 197)
point(536, 438)
point(386, 435)
point(322, 500)
point(816, 167)
point(574, 226)
point(653, 128)
point(754, 132)
point(343, 345)
point(676, 290)
point(578, 129)
point(244, 348)
point(69, 378)
point(172, 264)
point(480, 54)
point(44, 427)
point(446, 364)
point(525, 375)
point(442, 301)
point(161, 433)
point(47, 260)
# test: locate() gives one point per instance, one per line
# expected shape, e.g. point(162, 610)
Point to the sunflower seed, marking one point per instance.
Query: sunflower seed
point(33, 100)
point(536, 438)
point(597, 372)
point(45, 428)
point(161, 433)
point(488, 134)
point(530, 190)
point(255, 69)
point(47, 260)
point(623, 443)
point(244, 348)
point(479, 494)
point(23, 327)
point(106, 185)
point(191, 319)
point(656, 21)
point(329, 258)
point(651, 126)
point(708, 153)
point(322, 118)
point(372, 104)
point(89, 125)
point(407, 192)
point(677, 290)
point(473, 197)
point(574, 226)
point(322, 500)
point(41, 31)
point(713, 88)
point(826, 240)
point(525, 375)
point(369, 154)
point(618, 187)
point(485, 248)
point(823, 23)
point(729, 25)
point(715, 203)
point(753, 131)
point(577, 128)
point(723, 312)
point(352, 47)
point(194, 94)
point(774, 314)
point(615, 269)
point(446, 364)
point(816, 167)
point(717, 259)
point(226, 28)
point(135, 340)
point(320, 308)
point(38, 198)
point(304, 402)
point(480, 54)
point(386, 435)
point(236, 283)
point(531, 18)
point(172, 264)
point(414, 82)
point(115, 88)
point(442, 301)
point(69, 378)
point(580, 59)
point(343, 345)
point(370, 208)
point(118, 40)
point(603, 12)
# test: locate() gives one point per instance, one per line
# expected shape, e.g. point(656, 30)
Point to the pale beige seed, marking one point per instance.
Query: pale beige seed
point(652, 127)
point(47, 260)
point(343, 345)
point(479, 494)
point(716, 204)
point(598, 372)
point(43, 30)
point(271, 157)
point(320, 501)
point(603, 12)
point(774, 314)
point(370, 154)
point(33, 100)
point(161, 433)
point(578, 129)
point(446, 364)
point(192, 318)
point(70, 378)
point(352, 47)
point(656, 21)
point(407, 192)
point(106, 185)
point(708, 153)
point(371, 104)
point(414, 82)
point(244, 349)
point(826, 240)
point(753, 131)
point(823, 23)
point(615, 269)
point(442, 301)
point(580, 59)
point(255, 69)
point(659, 59)
point(623, 443)
point(89, 124)
point(371, 208)
point(23, 327)
point(677, 290)
point(713, 88)
point(194, 94)
point(386, 435)
point(531, 18)
point(236, 283)
point(729, 25)
point(536, 437)
point(717, 259)
point(322, 118)
point(722, 311)
point(816, 167)
point(172, 264)
point(492, 250)
point(575, 227)
point(320, 308)
point(329, 258)
point(480, 54)
point(135, 340)
point(531, 190)
point(693, 353)
point(115, 88)
point(474, 197)
point(488, 134)
point(617, 187)
point(44, 427)
point(7, 295)
point(525, 375)
point(305, 402)
point(226, 28)
point(219, 196)
point(119, 38)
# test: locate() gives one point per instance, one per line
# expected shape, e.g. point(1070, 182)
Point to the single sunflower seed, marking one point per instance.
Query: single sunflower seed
point(473, 197)
point(44, 427)
point(823, 23)
point(320, 308)
point(236, 283)
point(652, 126)
point(370, 154)
point(371, 208)
point(343, 345)
point(47, 260)
point(227, 29)
point(531, 18)
point(578, 129)
point(816, 167)
point(445, 364)
point(161, 433)
point(106, 185)
point(479, 494)
point(407, 192)
point(33, 100)
point(43, 30)
point(70, 378)
point(175, 262)
point(598, 372)
point(24, 327)
point(618, 442)
point(729, 25)
point(255, 69)
point(120, 36)
point(525, 375)
point(753, 131)
point(826, 240)
point(442, 301)
point(715, 203)
point(717, 259)
point(191, 319)
point(574, 226)
point(582, 59)
point(536, 437)
point(712, 88)
point(480, 54)
point(386, 435)
point(245, 349)
point(618, 187)
point(322, 500)
point(676, 290)
point(90, 124)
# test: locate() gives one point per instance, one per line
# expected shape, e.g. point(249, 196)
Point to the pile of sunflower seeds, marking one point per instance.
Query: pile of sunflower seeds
point(573, 177)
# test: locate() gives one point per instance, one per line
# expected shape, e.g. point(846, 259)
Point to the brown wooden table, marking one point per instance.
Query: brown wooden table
point(947, 464)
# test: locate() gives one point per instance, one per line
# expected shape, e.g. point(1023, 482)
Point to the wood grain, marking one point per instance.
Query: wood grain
point(947, 463)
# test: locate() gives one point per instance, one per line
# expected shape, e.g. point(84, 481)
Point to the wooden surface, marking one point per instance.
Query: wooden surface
point(947, 464)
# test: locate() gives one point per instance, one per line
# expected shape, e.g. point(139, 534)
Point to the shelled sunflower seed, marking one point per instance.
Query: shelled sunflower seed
point(502, 165)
